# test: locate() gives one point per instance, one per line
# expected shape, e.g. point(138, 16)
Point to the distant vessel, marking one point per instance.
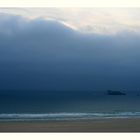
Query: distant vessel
point(111, 92)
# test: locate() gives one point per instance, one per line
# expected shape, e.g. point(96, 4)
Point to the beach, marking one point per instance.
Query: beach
point(97, 125)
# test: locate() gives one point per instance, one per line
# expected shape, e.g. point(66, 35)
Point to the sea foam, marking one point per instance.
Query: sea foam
point(67, 116)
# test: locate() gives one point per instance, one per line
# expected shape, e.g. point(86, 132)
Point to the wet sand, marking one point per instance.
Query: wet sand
point(99, 125)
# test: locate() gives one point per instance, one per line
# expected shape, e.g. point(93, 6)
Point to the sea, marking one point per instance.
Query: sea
point(66, 105)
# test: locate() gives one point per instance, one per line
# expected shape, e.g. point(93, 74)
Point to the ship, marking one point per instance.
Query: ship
point(111, 92)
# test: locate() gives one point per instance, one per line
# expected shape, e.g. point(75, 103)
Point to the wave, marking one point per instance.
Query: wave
point(67, 116)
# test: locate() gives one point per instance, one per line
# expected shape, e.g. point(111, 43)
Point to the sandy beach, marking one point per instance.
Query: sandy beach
point(104, 125)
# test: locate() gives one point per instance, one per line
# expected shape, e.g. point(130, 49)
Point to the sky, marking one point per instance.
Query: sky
point(97, 20)
point(70, 48)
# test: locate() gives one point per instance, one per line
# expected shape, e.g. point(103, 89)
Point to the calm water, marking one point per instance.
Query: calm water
point(66, 106)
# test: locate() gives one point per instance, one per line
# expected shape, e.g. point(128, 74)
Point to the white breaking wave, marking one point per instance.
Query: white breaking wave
point(67, 116)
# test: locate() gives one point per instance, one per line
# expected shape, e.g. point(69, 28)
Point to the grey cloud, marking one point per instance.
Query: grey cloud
point(43, 54)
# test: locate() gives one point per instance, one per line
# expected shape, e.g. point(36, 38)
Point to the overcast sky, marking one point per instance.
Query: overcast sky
point(99, 20)
point(70, 49)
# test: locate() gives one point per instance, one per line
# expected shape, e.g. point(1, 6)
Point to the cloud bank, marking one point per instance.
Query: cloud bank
point(87, 20)
point(46, 54)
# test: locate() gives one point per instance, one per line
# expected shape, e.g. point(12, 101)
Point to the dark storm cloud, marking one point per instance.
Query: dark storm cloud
point(44, 54)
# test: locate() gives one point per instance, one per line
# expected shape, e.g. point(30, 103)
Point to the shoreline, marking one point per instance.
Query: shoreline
point(96, 125)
